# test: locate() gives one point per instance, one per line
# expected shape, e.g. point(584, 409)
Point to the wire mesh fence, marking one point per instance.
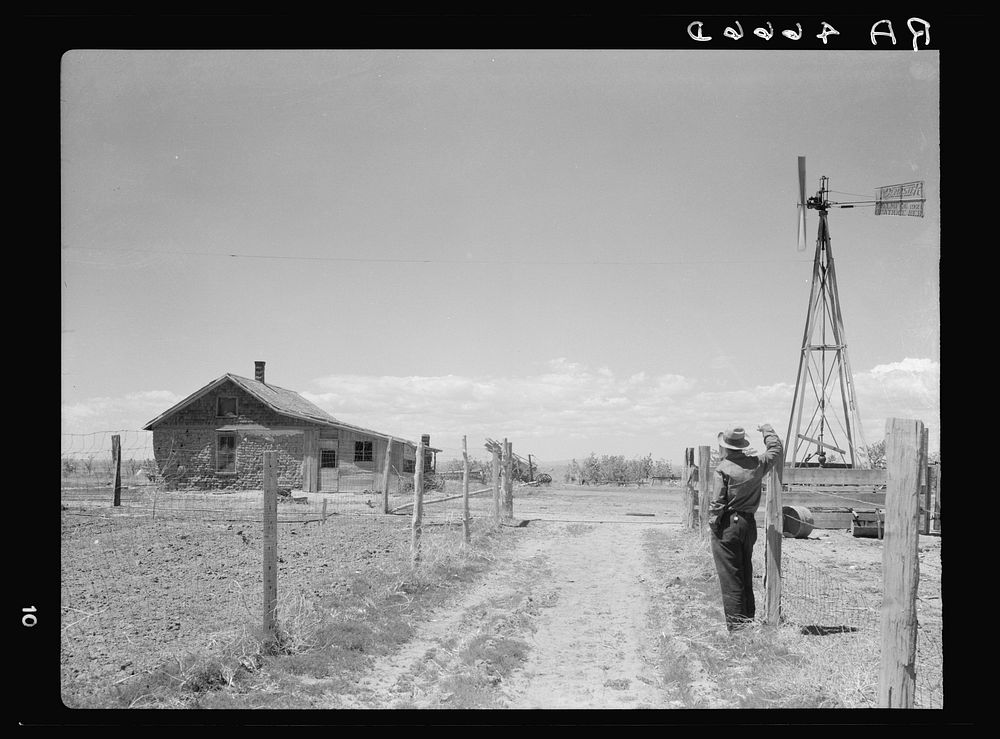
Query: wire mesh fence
point(444, 502)
point(155, 569)
point(845, 603)
point(172, 570)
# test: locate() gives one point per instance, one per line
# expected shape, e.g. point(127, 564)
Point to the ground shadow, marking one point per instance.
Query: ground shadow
point(815, 630)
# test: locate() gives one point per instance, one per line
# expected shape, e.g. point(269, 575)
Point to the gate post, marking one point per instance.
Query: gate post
point(704, 486)
point(270, 471)
point(900, 563)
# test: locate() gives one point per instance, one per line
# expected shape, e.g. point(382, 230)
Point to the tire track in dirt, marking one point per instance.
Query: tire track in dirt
point(575, 593)
point(583, 598)
point(413, 676)
point(593, 648)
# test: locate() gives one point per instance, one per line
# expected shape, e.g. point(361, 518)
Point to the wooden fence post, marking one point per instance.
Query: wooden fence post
point(936, 504)
point(465, 491)
point(704, 486)
point(773, 533)
point(508, 482)
point(385, 475)
point(418, 504)
point(900, 565)
point(270, 471)
point(684, 477)
point(690, 493)
point(323, 519)
point(496, 484)
point(925, 487)
point(116, 462)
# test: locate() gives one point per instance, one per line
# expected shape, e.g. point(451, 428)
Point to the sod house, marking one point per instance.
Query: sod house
point(214, 439)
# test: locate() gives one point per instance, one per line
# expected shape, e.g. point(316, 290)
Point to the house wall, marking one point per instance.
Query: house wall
point(357, 474)
point(185, 443)
point(406, 453)
point(186, 458)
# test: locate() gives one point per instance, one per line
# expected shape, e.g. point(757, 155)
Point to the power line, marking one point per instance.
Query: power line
point(393, 260)
point(852, 194)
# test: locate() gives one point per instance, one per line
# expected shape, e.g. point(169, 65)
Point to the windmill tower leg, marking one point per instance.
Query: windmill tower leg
point(830, 426)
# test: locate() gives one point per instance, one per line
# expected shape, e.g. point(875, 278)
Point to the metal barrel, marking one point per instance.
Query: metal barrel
point(798, 521)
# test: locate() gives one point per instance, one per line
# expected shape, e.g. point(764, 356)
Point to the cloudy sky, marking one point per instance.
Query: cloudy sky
point(581, 251)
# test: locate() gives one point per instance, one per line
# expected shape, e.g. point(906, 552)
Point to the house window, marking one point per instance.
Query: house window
point(363, 451)
point(328, 458)
point(225, 407)
point(409, 465)
point(225, 454)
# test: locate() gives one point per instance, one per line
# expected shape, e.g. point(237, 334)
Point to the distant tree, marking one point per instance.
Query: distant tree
point(876, 455)
point(133, 466)
point(454, 465)
point(611, 469)
point(661, 468)
point(457, 465)
point(590, 469)
point(572, 473)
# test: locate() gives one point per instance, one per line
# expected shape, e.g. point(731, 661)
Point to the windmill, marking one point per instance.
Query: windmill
point(824, 398)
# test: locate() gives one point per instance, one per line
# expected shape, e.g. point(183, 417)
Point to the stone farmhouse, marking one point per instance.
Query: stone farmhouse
point(214, 439)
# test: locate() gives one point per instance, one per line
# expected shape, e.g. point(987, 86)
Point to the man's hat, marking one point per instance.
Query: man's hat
point(735, 438)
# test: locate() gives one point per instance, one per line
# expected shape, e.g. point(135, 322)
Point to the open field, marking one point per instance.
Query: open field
point(601, 600)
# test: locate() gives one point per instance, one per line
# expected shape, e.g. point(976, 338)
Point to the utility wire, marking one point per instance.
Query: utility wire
point(852, 194)
point(384, 260)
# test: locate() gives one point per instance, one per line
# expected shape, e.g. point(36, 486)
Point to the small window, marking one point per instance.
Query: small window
point(225, 407)
point(409, 465)
point(362, 451)
point(225, 454)
point(328, 458)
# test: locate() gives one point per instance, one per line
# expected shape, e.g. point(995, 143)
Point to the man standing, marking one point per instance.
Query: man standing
point(734, 503)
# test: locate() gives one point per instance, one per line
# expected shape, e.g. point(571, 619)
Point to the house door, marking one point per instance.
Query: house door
point(328, 471)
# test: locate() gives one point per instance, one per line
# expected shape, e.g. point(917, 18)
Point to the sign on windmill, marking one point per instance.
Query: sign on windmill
point(905, 199)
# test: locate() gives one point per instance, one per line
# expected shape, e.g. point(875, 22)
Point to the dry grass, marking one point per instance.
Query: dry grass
point(760, 667)
point(332, 637)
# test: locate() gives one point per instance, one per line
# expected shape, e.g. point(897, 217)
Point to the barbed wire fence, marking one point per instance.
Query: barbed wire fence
point(157, 570)
point(127, 557)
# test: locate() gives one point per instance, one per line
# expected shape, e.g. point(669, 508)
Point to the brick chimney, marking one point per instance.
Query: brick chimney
point(258, 371)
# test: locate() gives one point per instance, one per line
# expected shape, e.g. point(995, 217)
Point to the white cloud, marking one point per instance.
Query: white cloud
point(566, 410)
point(907, 389)
point(131, 411)
point(87, 426)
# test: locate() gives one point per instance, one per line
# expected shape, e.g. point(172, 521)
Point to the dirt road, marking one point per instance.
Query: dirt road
point(569, 619)
point(604, 601)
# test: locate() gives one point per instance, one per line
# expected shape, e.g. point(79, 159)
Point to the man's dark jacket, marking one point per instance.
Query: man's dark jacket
point(738, 478)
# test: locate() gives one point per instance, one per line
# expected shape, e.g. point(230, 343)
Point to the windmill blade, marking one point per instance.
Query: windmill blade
point(801, 239)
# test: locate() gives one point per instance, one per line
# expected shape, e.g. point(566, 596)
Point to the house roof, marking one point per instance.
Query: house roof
point(287, 402)
point(279, 399)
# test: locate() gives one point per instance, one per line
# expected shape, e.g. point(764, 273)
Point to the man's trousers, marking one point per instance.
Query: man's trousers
point(732, 550)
